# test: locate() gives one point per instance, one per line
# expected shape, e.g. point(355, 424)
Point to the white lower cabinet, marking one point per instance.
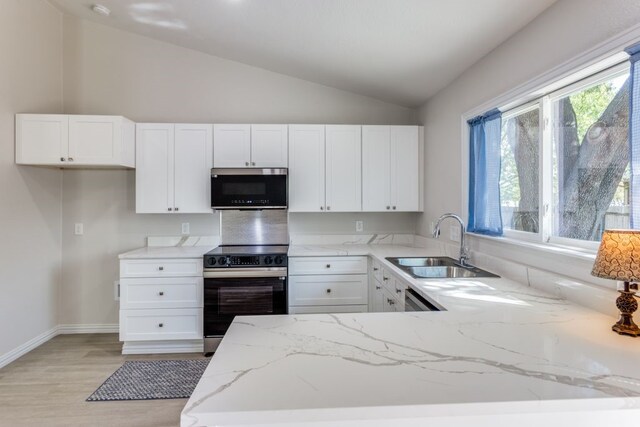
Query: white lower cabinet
point(161, 304)
point(386, 291)
point(328, 284)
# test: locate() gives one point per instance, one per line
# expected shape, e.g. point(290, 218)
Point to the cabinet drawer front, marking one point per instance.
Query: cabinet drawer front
point(314, 309)
point(179, 292)
point(328, 265)
point(160, 324)
point(376, 269)
point(388, 281)
point(161, 267)
point(328, 290)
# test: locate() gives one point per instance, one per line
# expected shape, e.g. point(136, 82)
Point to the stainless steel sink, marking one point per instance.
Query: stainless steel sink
point(438, 268)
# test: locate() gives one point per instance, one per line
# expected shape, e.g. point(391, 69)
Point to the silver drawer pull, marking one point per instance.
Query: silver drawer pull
point(328, 291)
point(169, 209)
point(378, 287)
point(70, 159)
point(394, 208)
point(321, 208)
point(328, 208)
point(62, 159)
point(253, 163)
point(385, 278)
point(161, 293)
point(160, 325)
point(161, 268)
point(398, 291)
point(176, 209)
point(388, 207)
point(391, 302)
point(375, 268)
point(328, 265)
point(246, 163)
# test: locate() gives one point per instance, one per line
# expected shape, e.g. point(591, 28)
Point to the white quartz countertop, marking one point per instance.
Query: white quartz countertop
point(151, 252)
point(502, 354)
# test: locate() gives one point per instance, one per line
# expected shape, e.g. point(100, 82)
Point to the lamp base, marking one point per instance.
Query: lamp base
point(627, 305)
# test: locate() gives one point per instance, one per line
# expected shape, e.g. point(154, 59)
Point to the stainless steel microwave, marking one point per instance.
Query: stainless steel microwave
point(250, 188)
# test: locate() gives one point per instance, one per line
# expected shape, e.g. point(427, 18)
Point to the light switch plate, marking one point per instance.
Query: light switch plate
point(79, 229)
point(185, 228)
point(359, 226)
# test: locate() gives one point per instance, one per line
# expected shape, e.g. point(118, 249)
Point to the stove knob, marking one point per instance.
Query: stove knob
point(211, 261)
point(268, 260)
point(222, 260)
point(279, 259)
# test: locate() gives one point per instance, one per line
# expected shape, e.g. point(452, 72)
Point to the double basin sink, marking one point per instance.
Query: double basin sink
point(438, 268)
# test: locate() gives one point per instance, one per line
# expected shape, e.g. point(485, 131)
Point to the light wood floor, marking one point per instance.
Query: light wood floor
point(49, 385)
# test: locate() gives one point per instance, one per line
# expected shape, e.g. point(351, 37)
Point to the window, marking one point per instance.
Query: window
point(564, 174)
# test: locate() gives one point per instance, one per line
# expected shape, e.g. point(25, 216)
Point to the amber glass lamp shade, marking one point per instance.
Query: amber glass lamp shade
point(619, 259)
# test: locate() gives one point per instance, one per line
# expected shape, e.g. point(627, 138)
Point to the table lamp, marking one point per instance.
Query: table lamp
point(619, 259)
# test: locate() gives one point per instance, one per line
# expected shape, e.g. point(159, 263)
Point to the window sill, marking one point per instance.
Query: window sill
point(548, 248)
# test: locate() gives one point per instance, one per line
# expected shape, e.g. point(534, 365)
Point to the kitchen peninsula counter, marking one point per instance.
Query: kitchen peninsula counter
point(501, 354)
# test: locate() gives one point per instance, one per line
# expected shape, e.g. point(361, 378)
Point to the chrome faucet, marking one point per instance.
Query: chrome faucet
point(464, 255)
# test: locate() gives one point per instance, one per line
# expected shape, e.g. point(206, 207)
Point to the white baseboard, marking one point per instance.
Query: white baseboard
point(159, 347)
point(25, 348)
point(88, 329)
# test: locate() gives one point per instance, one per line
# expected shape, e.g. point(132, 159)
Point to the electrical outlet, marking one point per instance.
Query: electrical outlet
point(359, 226)
point(185, 228)
point(79, 229)
point(454, 233)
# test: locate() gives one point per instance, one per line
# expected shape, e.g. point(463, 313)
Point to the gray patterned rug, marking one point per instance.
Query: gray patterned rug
point(151, 379)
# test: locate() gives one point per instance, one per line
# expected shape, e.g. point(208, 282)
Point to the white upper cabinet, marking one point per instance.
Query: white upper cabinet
point(376, 168)
point(75, 140)
point(405, 168)
point(231, 146)
point(173, 168)
point(192, 168)
point(259, 146)
point(269, 146)
point(306, 168)
point(343, 192)
point(391, 168)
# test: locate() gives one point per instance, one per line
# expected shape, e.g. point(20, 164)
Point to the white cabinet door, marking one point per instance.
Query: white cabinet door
point(42, 139)
point(405, 168)
point(231, 146)
point(377, 296)
point(306, 168)
point(95, 140)
point(376, 172)
point(154, 168)
point(343, 168)
point(269, 146)
point(193, 161)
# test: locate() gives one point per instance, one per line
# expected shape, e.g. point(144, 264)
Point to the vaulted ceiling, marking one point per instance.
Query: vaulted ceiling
point(399, 51)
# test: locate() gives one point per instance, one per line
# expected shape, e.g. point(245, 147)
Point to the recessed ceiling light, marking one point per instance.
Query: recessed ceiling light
point(101, 10)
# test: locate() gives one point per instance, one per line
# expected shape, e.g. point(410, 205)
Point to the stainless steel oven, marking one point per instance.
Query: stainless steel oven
point(246, 284)
point(240, 188)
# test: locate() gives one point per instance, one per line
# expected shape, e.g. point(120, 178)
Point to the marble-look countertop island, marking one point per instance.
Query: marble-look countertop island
point(501, 354)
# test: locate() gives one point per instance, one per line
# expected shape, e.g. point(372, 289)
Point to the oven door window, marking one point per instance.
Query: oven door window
point(229, 297)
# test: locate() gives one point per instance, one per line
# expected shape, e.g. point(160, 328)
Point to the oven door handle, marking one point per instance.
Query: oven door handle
point(224, 273)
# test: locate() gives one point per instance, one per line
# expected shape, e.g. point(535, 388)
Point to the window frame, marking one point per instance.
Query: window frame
point(544, 100)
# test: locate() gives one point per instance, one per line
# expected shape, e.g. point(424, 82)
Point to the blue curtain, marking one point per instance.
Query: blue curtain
point(634, 132)
point(484, 174)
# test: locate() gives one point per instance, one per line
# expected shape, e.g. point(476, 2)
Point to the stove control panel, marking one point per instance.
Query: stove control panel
point(221, 261)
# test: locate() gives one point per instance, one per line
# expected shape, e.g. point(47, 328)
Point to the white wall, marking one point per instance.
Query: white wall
point(108, 71)
point(562, 32)
point(30, 207)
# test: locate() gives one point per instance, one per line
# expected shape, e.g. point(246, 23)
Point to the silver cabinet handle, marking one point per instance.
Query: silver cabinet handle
point(169, 209)
point(176, 209)
point(160, 325)
point(328, 208)
point(394, 208)
point(70, 159)
point(388, 207)
point(391, 302)
point(321, 208)
point(328, 291)
point(385, 278)
point(253, 163)
point(62, 159)
point(161, 293)
point(378, 287)
point(246, 163)
point(375, 268)
point(398, 291)
point(161, 268)
point(328, 265)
